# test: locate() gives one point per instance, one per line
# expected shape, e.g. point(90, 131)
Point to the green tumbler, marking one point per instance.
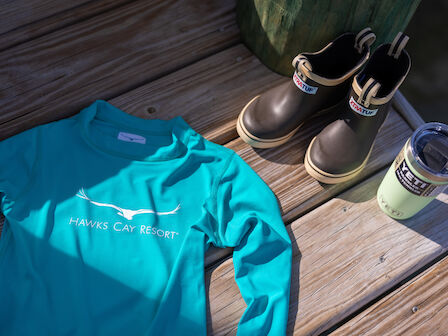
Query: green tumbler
point(418, 174)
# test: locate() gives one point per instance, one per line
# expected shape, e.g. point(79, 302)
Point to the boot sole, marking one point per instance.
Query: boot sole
point(255, 141)
point(329, 178)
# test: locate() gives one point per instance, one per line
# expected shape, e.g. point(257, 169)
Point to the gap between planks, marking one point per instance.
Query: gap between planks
point(407, 111)
point(101, 57)
point(54, 15)
point(419, 307)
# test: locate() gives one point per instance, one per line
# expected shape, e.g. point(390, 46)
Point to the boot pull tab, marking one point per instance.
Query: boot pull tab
point(397, 45)
point(301, 60)
point(369, 90)
point(365, 37)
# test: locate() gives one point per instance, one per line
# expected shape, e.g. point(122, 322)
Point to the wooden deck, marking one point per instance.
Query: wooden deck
point(355, 270)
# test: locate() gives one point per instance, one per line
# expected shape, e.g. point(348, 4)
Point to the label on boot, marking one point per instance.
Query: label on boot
point(361, 109)
point(412, 183)
point(302, 85)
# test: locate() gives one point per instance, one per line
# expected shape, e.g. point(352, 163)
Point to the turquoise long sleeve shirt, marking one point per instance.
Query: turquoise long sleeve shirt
point(107, 220)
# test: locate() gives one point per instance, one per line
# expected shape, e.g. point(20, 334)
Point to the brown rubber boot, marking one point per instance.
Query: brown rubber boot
point(321, 80)
point(340, 151)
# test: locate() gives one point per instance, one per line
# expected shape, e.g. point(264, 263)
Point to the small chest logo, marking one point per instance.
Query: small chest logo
point(303, 86)
point(361, 109)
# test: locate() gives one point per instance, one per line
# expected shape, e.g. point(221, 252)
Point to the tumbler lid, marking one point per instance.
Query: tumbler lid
point(429, 149)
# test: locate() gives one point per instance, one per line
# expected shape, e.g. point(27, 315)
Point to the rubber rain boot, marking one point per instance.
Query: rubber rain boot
point(320, 81)
point(340, 151)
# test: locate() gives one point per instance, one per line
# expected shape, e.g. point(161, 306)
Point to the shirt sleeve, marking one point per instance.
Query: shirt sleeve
point(18, 156)
point(248, 218)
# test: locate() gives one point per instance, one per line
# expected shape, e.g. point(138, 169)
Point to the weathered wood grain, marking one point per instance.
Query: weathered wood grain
point(420, 307)
point(53, 76)
point(209, 94)
point(24, 20)
point(14, 14)
point(345, 253)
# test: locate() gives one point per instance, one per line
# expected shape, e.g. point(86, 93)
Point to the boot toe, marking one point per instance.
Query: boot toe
point(334, 153)
point(251, 120)
point(258, 122)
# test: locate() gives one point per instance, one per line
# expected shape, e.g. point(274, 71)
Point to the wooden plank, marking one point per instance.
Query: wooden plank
point(345, 253)
point(24, 20)
point(209, 94)
point(419, 307)
point(14, 14)
point(407, 111)
point(53, 76)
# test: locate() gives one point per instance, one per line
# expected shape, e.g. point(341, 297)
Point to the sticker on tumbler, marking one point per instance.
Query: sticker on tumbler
point(361, 109)
point(412, 183)
point(303, 86)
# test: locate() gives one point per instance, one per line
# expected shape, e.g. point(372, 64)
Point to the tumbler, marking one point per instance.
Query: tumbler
point(418, 174)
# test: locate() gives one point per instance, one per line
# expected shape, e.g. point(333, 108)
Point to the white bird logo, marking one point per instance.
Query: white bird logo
point(126, 213)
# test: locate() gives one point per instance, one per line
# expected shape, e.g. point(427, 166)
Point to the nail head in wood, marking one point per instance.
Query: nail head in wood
point(151, 110)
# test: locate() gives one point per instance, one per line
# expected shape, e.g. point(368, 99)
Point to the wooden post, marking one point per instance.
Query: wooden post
point(277, 30)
